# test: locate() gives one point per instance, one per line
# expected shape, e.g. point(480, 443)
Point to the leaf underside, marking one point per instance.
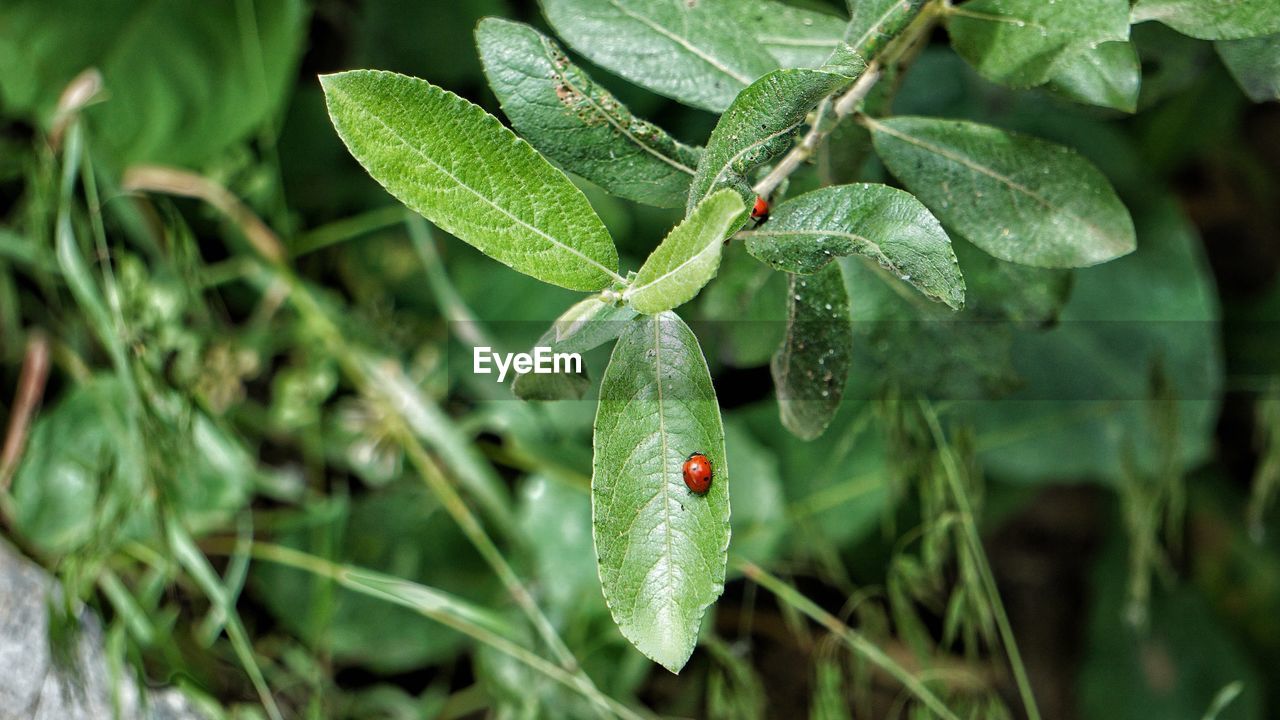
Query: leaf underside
point(811, 367)
point(879, 222)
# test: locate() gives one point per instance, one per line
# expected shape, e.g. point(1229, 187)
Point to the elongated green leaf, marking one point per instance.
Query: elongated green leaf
point(812, 365)
point(460, 168)
point(761, 123)
point(205, 75)
point(694, 52)
point(1108, 75)
point(578, 124)
point(662, 550)
point(1213, 19)
point(795, 37)
point(585, 326)
point(873, 23)
point(883, 223)
point(1017, 42)
point(688, 258)
point(1019, 198)
point(1255, 64)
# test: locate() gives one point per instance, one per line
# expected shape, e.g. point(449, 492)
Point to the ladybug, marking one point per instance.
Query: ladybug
point(760, 211)
point(697, 473)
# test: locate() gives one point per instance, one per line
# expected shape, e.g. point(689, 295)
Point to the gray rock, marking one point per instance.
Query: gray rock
point(34, 685)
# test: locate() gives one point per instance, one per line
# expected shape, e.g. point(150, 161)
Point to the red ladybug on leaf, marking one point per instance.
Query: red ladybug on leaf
point(697, 473)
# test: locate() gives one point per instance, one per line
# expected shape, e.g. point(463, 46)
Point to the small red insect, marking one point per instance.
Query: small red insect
point(697, 473)
point(760, 211)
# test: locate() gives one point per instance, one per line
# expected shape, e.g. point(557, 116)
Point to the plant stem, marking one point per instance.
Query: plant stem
point(342, 575)
point(974, 541)
point(852, 638)
point(346, 229)
point(834, 109)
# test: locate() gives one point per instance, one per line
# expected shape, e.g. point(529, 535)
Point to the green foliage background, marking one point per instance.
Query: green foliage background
point(224, 395)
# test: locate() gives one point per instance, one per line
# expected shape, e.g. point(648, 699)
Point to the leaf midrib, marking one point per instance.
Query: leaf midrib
point(360, 107)
point(638, 289)
point(683, 42)
point(610, 118)
point(724, 168)
point(662, 434)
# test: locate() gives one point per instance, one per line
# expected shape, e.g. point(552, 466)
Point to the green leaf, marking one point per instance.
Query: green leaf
point(760, 125)
point(584, 326)
point(1017, 197)
point(1176, 665)
point(399, 530)
point(1084, 404)
point(759, 520)
point(577, 123)
point(1018, 42)
point(455, 164)
point(812, 366)
point(1255, 64)
point(204, 75)
point(662, 550)
point(873, 23)
point(1213, 19)
point(699, 53)
point(73, 446)
point(794, 36)
point(559, 517)
point(883, 223)
point(688, 258)
point(1108, 75)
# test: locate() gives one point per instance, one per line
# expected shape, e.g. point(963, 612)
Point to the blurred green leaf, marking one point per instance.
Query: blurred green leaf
point(577, 123)
point(1213, 19)
point(812, 365)
point(72, 450)
point(389, 35)
point(1108, 75)
point(1255, 64)
point(662, 549)
point(744, 310)
point(398, 530)
point(883, 223)
point(1018, 42)
point(1008, 291)
point(459, 167)
point(1084, 407)
point(203, 75)
point(760, 124)
point(557, 518)
point(688, 257)
point(1173, 669)
point(759, 518)
point(1019, 198)
point(699, 53)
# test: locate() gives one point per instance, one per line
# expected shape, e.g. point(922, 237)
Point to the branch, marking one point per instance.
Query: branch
point(833, 110)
